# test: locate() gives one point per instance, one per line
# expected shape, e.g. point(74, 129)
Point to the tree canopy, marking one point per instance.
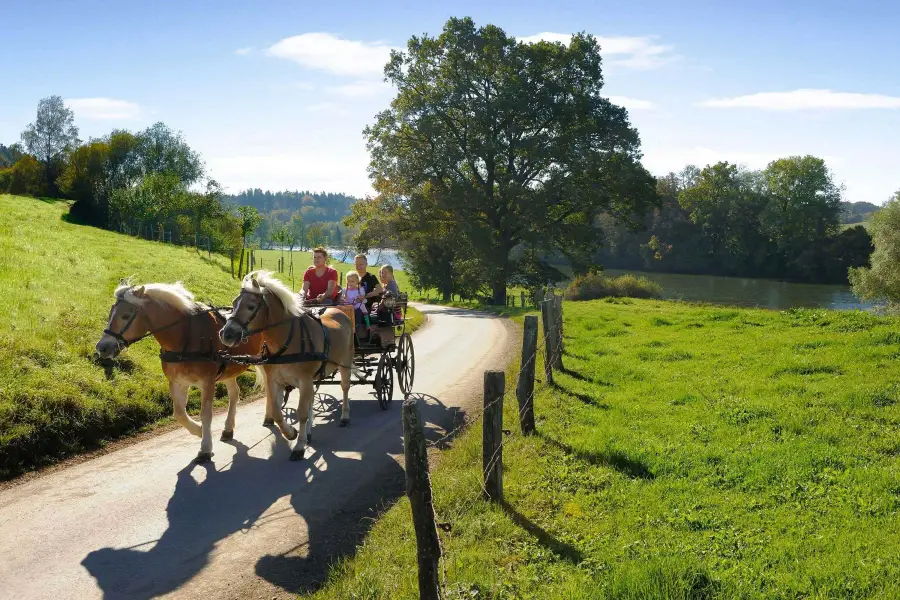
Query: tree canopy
point(52, 135)
point(514, 139)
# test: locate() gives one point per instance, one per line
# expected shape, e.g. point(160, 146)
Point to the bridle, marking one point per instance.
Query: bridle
point(247, 333)
point(120, 335)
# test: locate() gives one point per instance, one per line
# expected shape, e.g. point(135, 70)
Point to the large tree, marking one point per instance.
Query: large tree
point(882, 280)
point(160, 150)
point(803, 209)
point(52, 135)
point(515, 138)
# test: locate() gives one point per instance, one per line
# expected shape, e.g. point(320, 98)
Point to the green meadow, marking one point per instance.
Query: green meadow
point(57, 280)
point(687, 451)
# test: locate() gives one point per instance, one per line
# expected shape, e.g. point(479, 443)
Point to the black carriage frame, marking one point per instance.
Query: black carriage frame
point(377, 362)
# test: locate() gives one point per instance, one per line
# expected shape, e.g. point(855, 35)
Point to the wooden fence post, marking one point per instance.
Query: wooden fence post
point(547, 323)
point(523, 298)
point(492, 435)
point(558, 333)
point(538, 297)
point(525, 385)
point(418, 489)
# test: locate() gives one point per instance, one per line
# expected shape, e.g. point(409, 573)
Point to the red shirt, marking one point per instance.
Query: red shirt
point(319, 285)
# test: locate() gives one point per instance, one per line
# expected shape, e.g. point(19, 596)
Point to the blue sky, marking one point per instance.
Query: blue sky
point(276, 94)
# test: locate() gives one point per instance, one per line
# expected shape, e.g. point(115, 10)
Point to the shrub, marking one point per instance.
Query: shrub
point(593, 286)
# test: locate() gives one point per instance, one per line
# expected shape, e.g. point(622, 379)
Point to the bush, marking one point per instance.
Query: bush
point(27, 178)
point(593, 286)
point(5, 180)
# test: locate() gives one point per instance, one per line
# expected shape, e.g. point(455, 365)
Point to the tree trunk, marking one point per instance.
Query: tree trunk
point(498, 283)
point(241, 263)
point(498, 287)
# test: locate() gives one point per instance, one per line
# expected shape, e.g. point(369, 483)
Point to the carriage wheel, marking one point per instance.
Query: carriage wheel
point(384, 381)
point(405, 363)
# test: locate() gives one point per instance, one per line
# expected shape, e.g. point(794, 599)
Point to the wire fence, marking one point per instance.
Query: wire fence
point(538, 355)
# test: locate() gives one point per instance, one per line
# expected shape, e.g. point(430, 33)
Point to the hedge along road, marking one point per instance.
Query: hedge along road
point(146, 521)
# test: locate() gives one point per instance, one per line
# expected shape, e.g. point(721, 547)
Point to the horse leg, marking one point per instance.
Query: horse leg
point(207, 395)
point(269, 420)
point(304, 403)
point(234, 394)
point(179, 405)
point(273, 397)
point(345, 405)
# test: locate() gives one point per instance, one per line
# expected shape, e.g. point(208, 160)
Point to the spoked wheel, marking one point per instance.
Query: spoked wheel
point(405, 363)
point(384, 381)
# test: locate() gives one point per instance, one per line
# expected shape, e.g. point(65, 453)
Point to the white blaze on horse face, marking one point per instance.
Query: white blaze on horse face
point(118, 319)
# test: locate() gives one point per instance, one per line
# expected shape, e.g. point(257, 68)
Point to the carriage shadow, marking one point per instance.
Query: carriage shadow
point(223, 502)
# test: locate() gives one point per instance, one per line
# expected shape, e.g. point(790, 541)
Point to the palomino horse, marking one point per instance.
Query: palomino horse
point(298, 348)
point(190, 350)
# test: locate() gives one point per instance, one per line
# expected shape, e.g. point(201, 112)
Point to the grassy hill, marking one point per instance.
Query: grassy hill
point(57, 280)
point(688, 452)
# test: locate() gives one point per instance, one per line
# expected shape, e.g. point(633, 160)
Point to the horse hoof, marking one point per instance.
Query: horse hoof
point(268, 422)
point(345, 422)
point(227, 436)
point(298, 454)
point(204, 457)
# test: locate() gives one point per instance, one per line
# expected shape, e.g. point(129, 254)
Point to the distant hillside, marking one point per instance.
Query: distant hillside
point(857, 212)
point(314, 207)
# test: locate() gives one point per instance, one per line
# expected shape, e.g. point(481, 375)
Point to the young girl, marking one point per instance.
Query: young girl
point(357, 297)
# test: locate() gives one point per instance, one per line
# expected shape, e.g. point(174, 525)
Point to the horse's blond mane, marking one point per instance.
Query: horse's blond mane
point(269, 283)
point(171, 294)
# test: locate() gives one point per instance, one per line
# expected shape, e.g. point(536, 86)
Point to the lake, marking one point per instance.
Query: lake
point(375, 257)
point(739, 291)
point(765, 293)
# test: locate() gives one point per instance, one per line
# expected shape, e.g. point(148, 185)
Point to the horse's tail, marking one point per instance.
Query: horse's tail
point(260, 383)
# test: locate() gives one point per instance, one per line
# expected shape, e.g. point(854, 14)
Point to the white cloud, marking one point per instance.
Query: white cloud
point(327, 52)
point(632, 103)
point(629, 52)
point(805, 99)
point(360, 89)
point(244, 51)
point(104, 109)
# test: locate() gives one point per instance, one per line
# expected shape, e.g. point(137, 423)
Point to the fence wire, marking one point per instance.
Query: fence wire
point(540, 356)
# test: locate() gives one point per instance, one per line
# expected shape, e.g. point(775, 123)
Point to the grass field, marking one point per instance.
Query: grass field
point(57, 280)
point(688, 452)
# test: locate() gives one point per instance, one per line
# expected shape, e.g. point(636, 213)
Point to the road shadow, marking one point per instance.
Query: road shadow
point(199, 515)
point(345, 482)
point(337, 536)
point(615, 459)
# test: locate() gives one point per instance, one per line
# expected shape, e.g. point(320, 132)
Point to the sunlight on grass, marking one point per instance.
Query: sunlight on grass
point(753, 457)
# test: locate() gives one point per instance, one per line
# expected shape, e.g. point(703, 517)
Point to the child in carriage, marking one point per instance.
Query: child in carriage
point(356, 297)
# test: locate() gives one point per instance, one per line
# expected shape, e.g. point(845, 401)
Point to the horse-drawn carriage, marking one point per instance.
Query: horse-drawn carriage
point(386, 350)
point(269, 329)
